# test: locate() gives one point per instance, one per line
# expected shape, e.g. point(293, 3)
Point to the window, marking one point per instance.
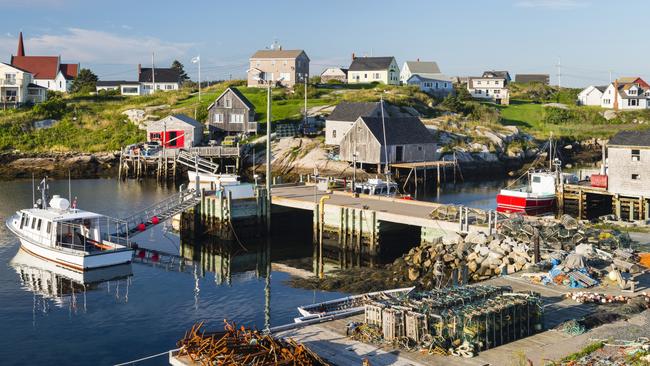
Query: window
point(23, 221)
point(419, 148)
point(636, 155)
point(334, 133)
point(496, 82)
point(537, 179)
point(636, 177)
point(49, 227)
point(497, 91)
point(479, 91)
point(38, 225)
point(632, 102)
point(169, 87)
point(237, 118)
point(478, 82)
point(217, 118)
point(33, 223)
point(227, 103)
point(130, 90)
point(606, 101)
point(437, 86)
point(376, 75)
point(33, 91)
point(632, 92)
point(365, 76)
point(10, 79)
point(273, 63)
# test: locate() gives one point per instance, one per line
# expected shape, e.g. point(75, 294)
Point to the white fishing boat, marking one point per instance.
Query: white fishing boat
point(377, 187)
point(230, 183)
point(70, 237)
point(348, 305)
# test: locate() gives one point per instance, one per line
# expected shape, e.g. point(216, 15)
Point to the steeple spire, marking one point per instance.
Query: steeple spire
point(21, 47)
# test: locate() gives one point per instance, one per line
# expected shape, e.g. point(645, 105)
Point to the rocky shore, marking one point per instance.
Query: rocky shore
point(57, 165)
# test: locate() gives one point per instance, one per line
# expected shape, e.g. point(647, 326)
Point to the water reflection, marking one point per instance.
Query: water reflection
point(63, 287)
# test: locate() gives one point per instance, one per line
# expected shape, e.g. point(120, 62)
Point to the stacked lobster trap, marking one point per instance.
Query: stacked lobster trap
point(478, 317)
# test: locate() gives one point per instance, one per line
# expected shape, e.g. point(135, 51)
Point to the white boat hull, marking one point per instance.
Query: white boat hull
point(77, 260)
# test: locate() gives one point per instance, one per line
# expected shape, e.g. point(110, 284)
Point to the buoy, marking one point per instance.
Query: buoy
point(141, 227)
point(155, 220)
point(141, 254)
point(155, 257)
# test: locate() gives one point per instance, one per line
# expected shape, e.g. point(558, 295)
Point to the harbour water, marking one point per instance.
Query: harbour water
point(143, 309)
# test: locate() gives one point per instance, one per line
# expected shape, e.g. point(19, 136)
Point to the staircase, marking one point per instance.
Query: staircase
point(196, 163)
point(162, 210)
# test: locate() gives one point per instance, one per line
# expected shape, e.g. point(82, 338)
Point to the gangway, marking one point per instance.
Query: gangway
point(160, 211)
point(196, 162)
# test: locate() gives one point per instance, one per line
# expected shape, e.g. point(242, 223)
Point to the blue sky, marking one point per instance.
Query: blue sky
point(465, 37)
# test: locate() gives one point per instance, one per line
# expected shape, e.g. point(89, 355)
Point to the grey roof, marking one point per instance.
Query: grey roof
point(188, 120)
point(370, 63)
point(349, 111)
point(532, 78)
point(238, 94)
point(32, 85)
point(278, 54)
point(423, 67)
point(601, 88)
point(631, 138)
point(399, 131)
point(163, 75)
point(435, 76)
point(496, 74)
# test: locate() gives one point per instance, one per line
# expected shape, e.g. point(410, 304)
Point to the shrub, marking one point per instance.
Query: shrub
point(52, 108)
point(558, 116)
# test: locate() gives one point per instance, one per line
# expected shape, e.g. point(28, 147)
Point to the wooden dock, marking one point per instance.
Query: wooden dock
point(586, 202)
point(359, 221)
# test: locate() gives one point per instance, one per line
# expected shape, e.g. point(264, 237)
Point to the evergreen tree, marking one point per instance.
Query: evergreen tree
point(177, 65)
point(85, 81)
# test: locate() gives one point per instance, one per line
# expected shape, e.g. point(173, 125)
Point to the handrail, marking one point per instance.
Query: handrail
point(160, 209)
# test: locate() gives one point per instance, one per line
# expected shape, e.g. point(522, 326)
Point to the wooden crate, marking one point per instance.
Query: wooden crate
point(416, 325)
point(373, 314)
point(392, 324)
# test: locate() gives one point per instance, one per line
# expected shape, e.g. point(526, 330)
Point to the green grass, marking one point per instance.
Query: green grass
point(583, 352)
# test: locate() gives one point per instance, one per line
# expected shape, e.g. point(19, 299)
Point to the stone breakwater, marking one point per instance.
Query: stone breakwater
point(57, 165)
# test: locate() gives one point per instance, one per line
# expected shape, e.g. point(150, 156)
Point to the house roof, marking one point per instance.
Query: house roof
point(371, 63)
point(344, 70)
point(35, 86)
point(238, 94)
point(432, 76)
point(41, 67)
point(400, 130)
point(423, 67)
point(14, 67)
point(496, 74)
point(278, 54)
point(70, 71)
point(350, 111)
point(163, 75)
point(181, 117)
point(116, 82)
point(531, 78)
point(631, 138)
point(601, 88)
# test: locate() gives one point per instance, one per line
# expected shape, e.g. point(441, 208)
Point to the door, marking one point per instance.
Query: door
point(399, 153)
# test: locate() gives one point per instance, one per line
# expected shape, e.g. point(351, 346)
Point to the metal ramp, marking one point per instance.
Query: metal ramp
point(161, 211)
point(196, 162)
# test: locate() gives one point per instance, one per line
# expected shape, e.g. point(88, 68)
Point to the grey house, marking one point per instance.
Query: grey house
point(231, 113)
point(407, 140)
point(339, 122)
point(628, 162)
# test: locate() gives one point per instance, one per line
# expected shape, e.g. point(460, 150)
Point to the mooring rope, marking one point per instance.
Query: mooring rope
point(147, 357)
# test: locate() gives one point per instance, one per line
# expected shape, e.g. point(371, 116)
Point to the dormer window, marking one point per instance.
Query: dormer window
point(228, 103)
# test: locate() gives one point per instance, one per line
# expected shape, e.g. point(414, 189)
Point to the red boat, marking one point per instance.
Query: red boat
point(536, 198)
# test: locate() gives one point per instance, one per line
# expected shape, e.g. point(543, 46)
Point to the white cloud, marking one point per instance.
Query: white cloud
point(92, 46)
point(552, 4)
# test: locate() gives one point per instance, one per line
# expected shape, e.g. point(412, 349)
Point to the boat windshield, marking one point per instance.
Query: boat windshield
point(91, 234)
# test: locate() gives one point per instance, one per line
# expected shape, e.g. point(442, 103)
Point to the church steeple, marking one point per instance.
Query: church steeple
point(21, 47)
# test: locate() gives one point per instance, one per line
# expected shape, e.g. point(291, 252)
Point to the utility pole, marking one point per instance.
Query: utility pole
point(305, 81)
point(383, 125)
point(199, 58)
point(559, 73)
point(153, 74)
point(268, 156)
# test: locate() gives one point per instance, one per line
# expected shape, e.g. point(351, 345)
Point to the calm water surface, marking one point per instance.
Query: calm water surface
point(141, 309)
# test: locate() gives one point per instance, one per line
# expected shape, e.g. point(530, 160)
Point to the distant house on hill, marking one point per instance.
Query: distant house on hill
point(284, 67)
point(47, 71)
point(533, 78)
point(165, 79)
point(334, 73)
point(626, 95)
point(407, 140)
point(17, 87)
point(427, 76)
point(591, 95)
point(231, 112)
point(373, 69)
point(177, 131)
point(493, 86)
point(122, 86)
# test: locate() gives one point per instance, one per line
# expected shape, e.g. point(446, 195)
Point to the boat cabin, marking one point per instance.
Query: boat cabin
point(376, 187)
point(542, 182)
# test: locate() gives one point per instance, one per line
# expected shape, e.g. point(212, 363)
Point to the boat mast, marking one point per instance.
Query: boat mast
point(44, 193)
point(550, 152)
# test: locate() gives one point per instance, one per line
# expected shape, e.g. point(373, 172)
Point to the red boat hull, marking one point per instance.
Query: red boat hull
point(525, 205)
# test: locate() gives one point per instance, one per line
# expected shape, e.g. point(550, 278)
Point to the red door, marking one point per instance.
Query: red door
point(174, 139)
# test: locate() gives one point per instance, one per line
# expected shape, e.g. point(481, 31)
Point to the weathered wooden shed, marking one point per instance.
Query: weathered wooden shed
point(231, 112)
point(177, 131)
point(407, 140)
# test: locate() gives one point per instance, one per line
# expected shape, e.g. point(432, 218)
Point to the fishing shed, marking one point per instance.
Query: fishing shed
point(407, 140)
point(177, 131)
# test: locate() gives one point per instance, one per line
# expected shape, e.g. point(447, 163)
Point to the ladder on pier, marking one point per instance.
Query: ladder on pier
point(162, 211)
point(196, 162)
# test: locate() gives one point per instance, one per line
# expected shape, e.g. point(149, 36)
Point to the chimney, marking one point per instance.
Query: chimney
point(418, 59)
point(21, 47)
point(616, 94)
point(139, 70)
point(353, 56)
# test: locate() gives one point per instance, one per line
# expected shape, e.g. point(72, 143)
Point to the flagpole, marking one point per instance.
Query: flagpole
point(199, 78)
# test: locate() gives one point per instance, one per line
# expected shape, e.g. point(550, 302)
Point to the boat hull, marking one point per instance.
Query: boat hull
point(76, 260)
point(527, 205)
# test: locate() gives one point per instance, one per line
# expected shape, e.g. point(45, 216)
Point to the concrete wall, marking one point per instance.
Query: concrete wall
point(621, 166)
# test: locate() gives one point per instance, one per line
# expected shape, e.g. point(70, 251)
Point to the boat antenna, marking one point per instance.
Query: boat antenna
point(383, 126)
point(44, 193)
point(33, 191)
point(69, 188)
point(550, 152)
